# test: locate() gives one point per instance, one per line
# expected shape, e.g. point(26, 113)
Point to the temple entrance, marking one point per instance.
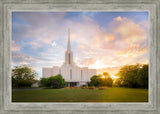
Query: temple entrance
point(72, 84)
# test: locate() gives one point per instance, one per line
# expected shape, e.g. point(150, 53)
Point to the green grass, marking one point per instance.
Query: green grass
point(81, 95)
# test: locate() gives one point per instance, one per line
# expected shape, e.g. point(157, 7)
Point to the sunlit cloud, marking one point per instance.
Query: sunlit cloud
point(40, 39)
point(128, 30)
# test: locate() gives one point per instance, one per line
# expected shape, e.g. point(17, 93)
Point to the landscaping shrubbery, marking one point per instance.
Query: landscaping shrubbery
point(53, 82)
point(102, 88)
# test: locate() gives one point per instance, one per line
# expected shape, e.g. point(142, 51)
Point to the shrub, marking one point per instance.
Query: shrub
point(92, 87)
point(53, 82)
point(85, 87)
point(102, 88)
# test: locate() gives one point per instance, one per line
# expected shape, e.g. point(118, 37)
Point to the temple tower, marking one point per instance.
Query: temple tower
point(69, 53)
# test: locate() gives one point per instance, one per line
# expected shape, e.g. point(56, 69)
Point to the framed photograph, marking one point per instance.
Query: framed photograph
point(80, 56)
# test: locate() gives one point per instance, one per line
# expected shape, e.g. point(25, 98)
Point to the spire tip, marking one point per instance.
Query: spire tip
point(69, 47)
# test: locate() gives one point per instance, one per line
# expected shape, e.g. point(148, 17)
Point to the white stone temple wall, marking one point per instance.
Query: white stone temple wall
point(46, 72)
point(78, 74)
point(55, 70)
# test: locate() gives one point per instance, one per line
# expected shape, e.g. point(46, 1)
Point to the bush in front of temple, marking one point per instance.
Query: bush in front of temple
point(54, 82)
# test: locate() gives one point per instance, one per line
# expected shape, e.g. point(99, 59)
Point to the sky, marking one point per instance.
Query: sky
point(98, 39)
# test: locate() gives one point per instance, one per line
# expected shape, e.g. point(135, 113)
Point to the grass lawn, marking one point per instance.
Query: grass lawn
point(81, 95)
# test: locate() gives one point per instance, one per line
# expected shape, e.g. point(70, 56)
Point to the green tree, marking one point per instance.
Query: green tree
point(44, 82)
point(101, 80)
point(118, 82)
point(57, 81)
point(143, 76)
point(107, 80)
point(95, 80)
point(53, 82)
point(133, 76)
point(23, 76)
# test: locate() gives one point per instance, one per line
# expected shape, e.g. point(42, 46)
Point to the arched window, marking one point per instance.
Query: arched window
point(70, 73)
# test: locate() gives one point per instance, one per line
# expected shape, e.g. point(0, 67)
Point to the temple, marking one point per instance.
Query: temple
point(74, 75)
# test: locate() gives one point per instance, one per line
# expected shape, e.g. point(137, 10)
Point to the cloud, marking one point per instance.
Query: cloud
point(122, 41)
point(123, 44)
point(128, 30)
point(20, 58)
point(15, 47)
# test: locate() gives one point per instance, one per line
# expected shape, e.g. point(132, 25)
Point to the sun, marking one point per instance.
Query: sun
point(103, 76)
point(114, 77)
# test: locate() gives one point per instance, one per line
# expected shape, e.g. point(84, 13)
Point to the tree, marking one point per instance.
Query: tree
point(133, 76)
point(57, 81)
point(143, 76)
point(23, 76)
point(44, 82)
point(107, 81)
point(95, 80)
point(101, 80)
point(106, 74)
point(53, 82)
point(118, 82)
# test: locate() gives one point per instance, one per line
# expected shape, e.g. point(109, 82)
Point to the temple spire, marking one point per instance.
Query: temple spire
point(69, 53)
point(69, 46)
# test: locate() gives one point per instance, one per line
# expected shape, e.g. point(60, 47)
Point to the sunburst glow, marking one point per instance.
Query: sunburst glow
point(114, 77)
point(103, 76)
